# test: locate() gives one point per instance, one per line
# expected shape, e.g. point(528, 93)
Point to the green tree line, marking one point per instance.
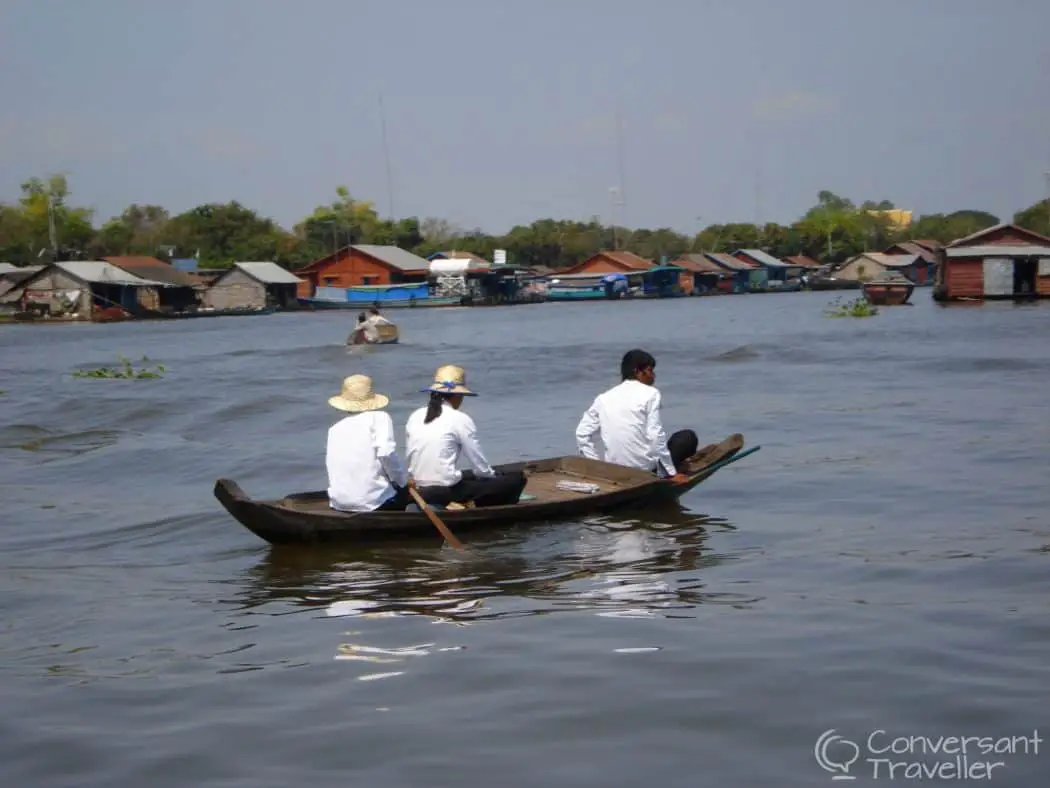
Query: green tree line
point(44, 224)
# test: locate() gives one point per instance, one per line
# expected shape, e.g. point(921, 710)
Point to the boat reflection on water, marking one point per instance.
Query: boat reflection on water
point(612, 565)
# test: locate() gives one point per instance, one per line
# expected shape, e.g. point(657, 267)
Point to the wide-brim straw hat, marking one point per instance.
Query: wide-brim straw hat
point(450, 379)
point(357, 396)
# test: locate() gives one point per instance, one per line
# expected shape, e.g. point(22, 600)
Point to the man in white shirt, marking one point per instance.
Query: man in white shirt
point(439, 435)
point(627, 419)
point(365, 473)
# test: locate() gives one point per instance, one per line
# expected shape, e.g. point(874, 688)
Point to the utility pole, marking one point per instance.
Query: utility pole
point(617, 202)
point(386, 155)
point(621, 187)
point(51, 231)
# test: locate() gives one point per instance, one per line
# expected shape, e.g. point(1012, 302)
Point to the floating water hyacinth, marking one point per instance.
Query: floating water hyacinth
point(124, 371)
point(857, 308)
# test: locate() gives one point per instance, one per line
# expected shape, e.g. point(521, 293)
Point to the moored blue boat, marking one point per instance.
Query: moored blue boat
point(383, 296)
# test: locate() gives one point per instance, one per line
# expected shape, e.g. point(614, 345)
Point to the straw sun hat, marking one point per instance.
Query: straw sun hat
point(357, 396)
point(450, 379)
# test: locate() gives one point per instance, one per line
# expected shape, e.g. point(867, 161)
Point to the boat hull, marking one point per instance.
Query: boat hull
point(388, 335)
point(419, 303)
point(882, 294)
point(306, 518)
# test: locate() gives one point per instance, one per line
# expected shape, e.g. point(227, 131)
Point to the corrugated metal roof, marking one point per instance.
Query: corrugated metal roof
point(762, 257)
point(892, 260)
point(102, 273)
point(698, 263)
point(1022, 231)
point(628, 259)
point(395, 256)
point(728, 261)
point(802, 261)
point(7, 268)
point(152, 268)
point(269, 273)
point(998, 250)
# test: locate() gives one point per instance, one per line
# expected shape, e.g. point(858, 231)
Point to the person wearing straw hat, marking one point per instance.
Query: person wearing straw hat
point(439, 435)
point(365, 472)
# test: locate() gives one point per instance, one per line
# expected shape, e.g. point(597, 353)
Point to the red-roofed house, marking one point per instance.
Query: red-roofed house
point(607, 262)
point(1004, 261)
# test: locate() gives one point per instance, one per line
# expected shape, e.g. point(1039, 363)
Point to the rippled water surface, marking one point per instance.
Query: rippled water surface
point(881, 563)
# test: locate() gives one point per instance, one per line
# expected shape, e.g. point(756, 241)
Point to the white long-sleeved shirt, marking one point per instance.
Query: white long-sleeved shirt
point(627, 418)
point(434, 449)
point(363, 463)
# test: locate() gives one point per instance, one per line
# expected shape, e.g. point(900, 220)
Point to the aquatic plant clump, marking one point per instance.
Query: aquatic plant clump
point(125, 371)
point(858, 307)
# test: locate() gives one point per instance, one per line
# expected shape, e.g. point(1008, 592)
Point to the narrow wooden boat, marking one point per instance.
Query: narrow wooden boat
point(305, 518)
point(388, 335)
point(888, 291)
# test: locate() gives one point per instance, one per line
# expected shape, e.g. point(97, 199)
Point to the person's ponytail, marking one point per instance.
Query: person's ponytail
point(434, 406)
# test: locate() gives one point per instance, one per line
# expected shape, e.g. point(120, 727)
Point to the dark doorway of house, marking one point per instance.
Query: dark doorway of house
point(1024, 277)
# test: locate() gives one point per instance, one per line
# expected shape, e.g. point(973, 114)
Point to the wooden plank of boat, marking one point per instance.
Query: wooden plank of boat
point(304, 518)
point(388, 335)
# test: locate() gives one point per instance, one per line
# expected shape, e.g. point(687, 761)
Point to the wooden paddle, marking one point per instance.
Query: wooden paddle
point(449, 536)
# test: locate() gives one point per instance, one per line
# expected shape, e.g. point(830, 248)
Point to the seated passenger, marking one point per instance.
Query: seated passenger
point(627, 418)
point(365, 472)
point(438, 435)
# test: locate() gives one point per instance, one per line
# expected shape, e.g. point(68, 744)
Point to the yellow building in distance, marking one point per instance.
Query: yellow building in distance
point(899, 218)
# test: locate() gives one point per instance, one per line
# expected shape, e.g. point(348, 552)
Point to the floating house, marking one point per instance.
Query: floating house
point(476, 281)
point(11, 277)
point(88, 290)
point(185, 291)
point(665, 281)
point(1005, 261)
point(869, 265)
point(805, 262)
point(702, 276)
point(253, 286)
point(926, 251)
point(747, 277)
point(363, 264)
point(777, 271)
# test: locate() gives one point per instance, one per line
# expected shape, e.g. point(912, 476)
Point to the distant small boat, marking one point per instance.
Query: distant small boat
point(388, 335)
point(831, 283)
point(888, 290)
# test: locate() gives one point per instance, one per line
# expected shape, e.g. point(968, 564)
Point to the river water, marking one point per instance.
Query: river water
point(882, 563)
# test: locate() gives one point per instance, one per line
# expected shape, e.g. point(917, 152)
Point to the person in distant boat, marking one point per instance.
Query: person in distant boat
point(376, 318)
point(364, 331)
point(441, 434)
point(365, 472)
point(627, 419)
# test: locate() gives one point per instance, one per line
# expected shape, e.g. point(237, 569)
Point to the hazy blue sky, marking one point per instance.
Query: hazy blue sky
point(502, 112)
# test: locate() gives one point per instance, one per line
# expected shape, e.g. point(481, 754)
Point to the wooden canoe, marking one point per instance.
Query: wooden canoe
point(305, 518)
point(388, 335)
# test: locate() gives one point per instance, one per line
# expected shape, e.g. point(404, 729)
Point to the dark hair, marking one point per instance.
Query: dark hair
point(374, 311)
point(361, 317)
point(437, 399)
point(634, 361)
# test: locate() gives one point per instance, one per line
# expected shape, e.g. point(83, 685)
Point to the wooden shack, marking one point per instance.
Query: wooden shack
point(362, 264)
point(1004, 261)
point(84, 289)
point(254, 285)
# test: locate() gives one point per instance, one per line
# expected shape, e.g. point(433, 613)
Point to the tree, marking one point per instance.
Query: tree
point(51, 228)
point(224, 233)
point(1035, 217)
